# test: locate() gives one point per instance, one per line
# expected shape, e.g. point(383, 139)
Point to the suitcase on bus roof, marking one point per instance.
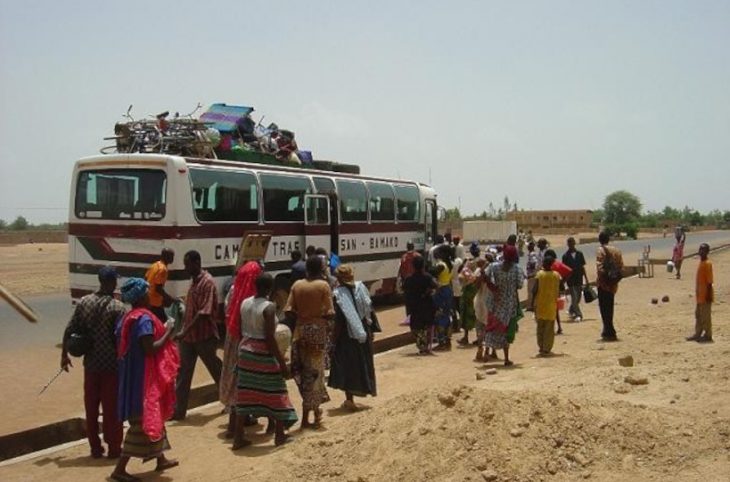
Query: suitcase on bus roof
point(225, 117)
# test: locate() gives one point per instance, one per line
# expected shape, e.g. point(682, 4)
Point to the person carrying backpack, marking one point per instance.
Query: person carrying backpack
point(609, 265)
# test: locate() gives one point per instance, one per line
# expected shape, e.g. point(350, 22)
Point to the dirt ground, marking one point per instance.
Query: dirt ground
point(33, 269)
point(569, 417)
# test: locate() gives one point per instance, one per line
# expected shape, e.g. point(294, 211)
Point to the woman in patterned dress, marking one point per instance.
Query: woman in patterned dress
point(504, 278)
point(310, 304)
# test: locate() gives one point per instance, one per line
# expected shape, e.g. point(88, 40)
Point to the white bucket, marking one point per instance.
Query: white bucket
point(670, 266)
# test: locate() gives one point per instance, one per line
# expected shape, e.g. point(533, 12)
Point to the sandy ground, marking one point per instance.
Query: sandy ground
point(32, 269)
point(568, 417)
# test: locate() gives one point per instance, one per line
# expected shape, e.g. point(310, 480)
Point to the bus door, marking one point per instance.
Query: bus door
point(430, 224)
point(317, 221)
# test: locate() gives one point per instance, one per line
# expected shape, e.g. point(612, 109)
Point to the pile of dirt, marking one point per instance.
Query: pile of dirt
point(466, 433)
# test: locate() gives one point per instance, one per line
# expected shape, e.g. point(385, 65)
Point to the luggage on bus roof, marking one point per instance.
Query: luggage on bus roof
point(347, 168)
point(225, 117)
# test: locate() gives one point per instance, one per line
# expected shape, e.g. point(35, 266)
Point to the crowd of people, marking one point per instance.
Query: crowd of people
point(138, 365)
point(449, 291)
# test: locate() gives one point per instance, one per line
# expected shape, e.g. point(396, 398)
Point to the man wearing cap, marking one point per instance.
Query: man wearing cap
point(96, 315)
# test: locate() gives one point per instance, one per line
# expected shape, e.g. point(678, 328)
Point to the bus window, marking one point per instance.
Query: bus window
point(224, 195)
point(284, 197)
point(324, 185)
point(382, 202)
point(136, 194)
point(353, 200)
point(407, 203)
point(318, 212)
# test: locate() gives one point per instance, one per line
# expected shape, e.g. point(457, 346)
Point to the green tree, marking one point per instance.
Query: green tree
point(20, 224)
point(3, 224)
point(621, 207)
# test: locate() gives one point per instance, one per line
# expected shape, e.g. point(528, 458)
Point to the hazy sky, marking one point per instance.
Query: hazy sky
point(554, 104)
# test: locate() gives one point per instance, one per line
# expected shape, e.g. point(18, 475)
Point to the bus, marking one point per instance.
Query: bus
point(125, 208)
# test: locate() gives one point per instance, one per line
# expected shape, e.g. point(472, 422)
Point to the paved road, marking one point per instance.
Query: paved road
point(55, 310)
point(660, 247)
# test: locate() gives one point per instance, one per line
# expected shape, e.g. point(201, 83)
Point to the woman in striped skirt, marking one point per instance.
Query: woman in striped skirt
point(261, 389)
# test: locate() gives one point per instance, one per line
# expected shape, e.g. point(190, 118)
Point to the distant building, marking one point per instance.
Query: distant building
point(546, 219)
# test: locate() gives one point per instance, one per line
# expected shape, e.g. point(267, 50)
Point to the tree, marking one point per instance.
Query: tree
point(20, 224)
point(3, 224)
point(621, 207)
point(452, 214)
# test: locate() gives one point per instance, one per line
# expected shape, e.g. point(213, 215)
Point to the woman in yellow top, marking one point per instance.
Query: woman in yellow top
point(443, 299)
point(545, 304)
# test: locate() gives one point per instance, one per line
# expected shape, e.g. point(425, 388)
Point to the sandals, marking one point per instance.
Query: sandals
point(237, 445)
point(167, 464)
point(317, 418)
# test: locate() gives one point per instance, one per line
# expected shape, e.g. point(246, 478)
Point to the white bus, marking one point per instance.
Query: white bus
point(125, 208)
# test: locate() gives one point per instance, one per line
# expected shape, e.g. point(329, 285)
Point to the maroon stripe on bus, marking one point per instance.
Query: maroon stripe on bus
point(228, 230)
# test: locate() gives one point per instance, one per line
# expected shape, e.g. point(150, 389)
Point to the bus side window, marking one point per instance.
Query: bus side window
point(324, 185)
point(353, 200)
point(408, 200)
point(284, 196)
point(224, 195)
point(382, 201)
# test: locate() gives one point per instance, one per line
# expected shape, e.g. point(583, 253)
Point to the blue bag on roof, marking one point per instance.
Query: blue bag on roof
point(225, 117)
point(305, 157)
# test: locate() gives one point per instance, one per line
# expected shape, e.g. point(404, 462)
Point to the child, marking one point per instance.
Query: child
point(481, 311)
point(545, 304)
point(705, 296)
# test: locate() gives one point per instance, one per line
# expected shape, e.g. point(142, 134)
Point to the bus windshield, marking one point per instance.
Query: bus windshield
point(137, 194)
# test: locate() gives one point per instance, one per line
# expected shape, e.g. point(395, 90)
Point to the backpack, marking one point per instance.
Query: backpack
point(611, 270)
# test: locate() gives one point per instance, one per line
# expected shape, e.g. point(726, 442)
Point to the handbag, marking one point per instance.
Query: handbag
point(79, 342)
point(374, 323)
point(589, 294)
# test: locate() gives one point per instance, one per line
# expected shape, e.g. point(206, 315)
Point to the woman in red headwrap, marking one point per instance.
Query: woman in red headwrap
point(504, 278)
point(244, 286)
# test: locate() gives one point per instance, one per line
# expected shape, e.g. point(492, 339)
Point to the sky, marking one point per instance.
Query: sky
point(554, 104)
